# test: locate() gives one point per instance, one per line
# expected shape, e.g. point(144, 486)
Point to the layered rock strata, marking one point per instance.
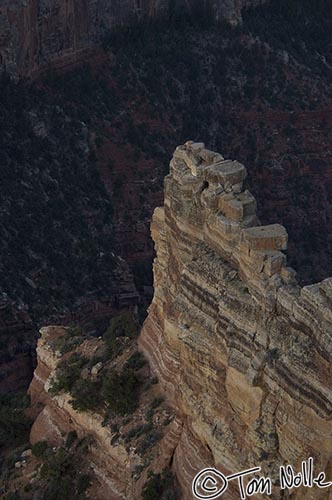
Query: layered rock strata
point(38, 34)
point(118, 471)
point(58, 418)
point(243, 353)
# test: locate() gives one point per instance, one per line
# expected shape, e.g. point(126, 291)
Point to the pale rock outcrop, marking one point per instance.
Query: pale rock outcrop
point(242, 352)
point(113, 463)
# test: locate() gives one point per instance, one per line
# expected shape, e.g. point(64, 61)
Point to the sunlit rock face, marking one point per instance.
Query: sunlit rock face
point(242, 352)
point(36, 35)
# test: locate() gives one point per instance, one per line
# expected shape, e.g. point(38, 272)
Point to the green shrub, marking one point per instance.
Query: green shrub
point(59, 487)
point(14, 425)
point(120, 392)
point(135, 362)
point(67, 373)
point(83, 483)
point(86, 395)
point(71, 438)
point(72, 338)
point(85, 443)
point(124, 325)
point(38, 449)
point(149, 414)
point(149, 440)
point(138, 431)
point(160, 486)
point(74, 331)
point(157, 402)
point(85, 392)
point(63, 473)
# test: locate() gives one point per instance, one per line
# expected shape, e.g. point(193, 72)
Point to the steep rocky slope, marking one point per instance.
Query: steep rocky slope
point(242, 352)
point(129, 431)
point(37, 34)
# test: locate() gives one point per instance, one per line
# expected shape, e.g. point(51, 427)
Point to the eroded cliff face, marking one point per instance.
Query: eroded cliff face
point(242, 352)
point(58, 418)
point(122, 450)
point(38, 34)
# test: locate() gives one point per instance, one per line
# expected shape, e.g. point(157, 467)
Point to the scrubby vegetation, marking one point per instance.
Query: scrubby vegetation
point(120, 391)
point(68, 373)
point(113, 391)
point(123, 325)
point(62, 472)
point(39, 449)
point(115, 384)
point(160, 486)
point(122, 328)
point(72, 337)
point(14, 425)
point(302, 28)
point(56, 214)
point(59, 473)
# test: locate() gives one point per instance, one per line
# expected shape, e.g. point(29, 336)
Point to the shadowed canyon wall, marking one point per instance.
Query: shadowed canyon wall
point(35, 34)
point(17, 347)
point(243, 353)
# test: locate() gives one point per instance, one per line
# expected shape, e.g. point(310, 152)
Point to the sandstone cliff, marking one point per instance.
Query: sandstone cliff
point(122, 449)
point(35, 34)
point(58, 417)
point(242, 352)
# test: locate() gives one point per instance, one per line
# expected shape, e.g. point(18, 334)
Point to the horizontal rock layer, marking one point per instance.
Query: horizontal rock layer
point(243, 353)
point(113, 463)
